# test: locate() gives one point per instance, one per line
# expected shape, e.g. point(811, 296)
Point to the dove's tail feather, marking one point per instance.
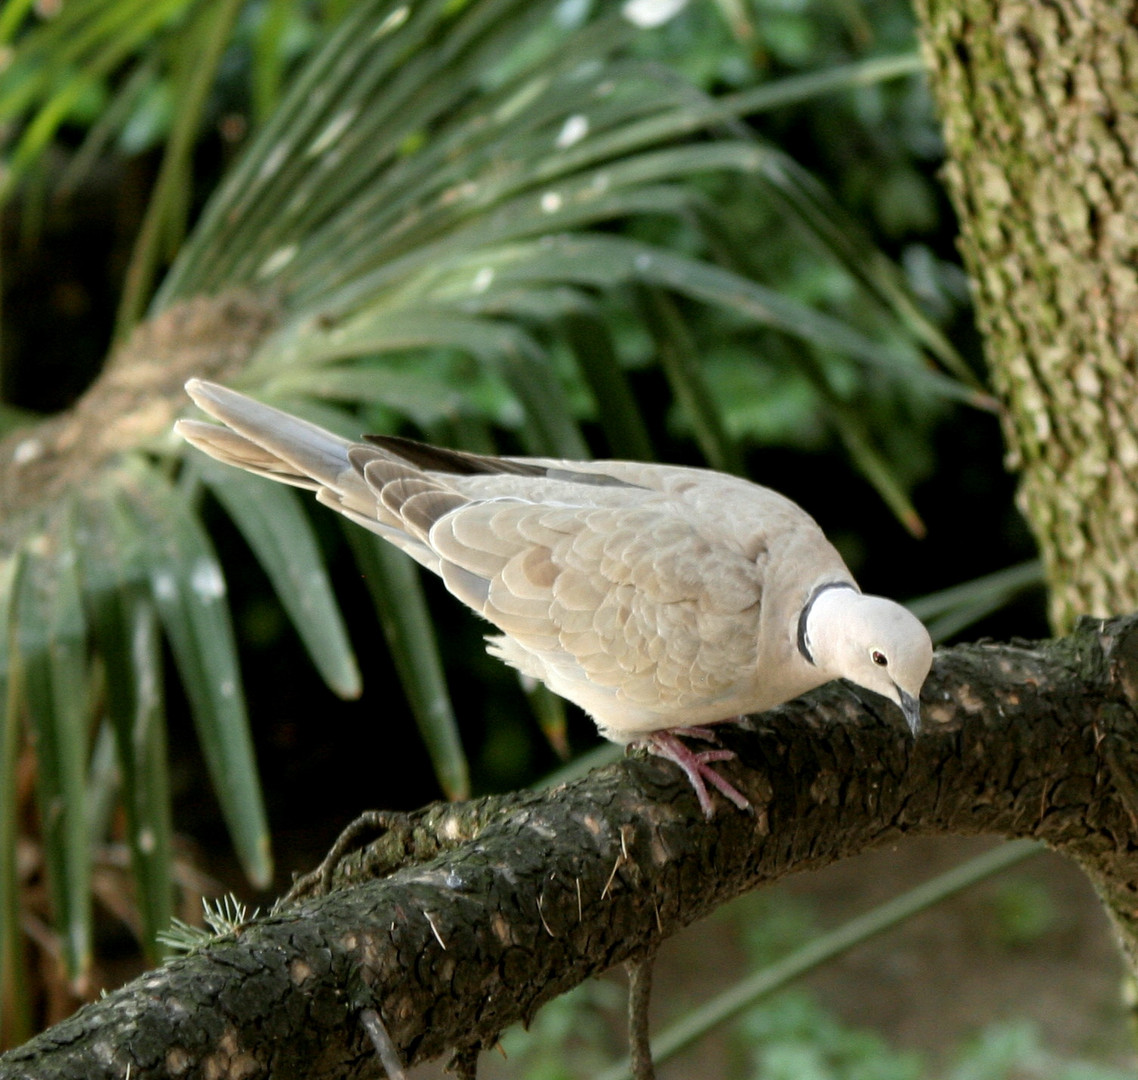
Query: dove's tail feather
point(282, 447)
point(264, 440)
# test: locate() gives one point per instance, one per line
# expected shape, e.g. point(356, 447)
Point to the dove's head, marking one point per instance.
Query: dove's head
point(873, 642)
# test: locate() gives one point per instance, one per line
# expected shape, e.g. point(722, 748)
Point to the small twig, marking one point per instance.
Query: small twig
point(434, 929)
point(318, 882)
point(639, 992)
point(622, 858)
point(384, 1047)
point(541, 914)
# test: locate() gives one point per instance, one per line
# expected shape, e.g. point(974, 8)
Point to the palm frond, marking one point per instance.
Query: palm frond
point(51, 635)
point(436, 224)
point(15, 1006)
point(188, 589)
point(278, 531)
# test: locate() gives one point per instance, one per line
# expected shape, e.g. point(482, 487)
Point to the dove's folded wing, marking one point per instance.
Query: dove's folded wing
point(629, 611)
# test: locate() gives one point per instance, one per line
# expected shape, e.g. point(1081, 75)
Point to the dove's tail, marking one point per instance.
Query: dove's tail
point(265, 440)
point(268, 442)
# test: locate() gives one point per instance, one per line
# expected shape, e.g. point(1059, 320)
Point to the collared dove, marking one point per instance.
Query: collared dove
point(659, 599)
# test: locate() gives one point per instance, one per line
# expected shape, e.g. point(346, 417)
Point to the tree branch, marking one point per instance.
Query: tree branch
point(459, 920)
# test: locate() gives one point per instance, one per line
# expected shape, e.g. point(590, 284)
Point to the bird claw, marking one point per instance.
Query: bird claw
point(705, 733)
point(704, 756)
point(665, 744)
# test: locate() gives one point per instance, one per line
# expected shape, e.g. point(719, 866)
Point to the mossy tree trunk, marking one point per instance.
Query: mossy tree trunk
point(1040, 113)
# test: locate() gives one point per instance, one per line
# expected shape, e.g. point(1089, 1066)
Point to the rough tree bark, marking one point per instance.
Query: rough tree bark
point(1041, 124)
point(460, 920)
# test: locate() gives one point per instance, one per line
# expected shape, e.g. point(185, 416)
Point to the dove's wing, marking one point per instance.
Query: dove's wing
point(630, 610)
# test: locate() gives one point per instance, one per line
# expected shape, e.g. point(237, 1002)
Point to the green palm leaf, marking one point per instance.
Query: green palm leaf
point(126, 630)
point(277, 530)
point(396, 591)
point(454, 216)
point(188, 591)
point(15, 1011)
point(51, 647)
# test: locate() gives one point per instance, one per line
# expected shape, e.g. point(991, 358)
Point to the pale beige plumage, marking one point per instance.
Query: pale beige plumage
point(655, 597)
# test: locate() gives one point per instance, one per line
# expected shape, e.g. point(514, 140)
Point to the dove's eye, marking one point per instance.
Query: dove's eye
point(879, 658)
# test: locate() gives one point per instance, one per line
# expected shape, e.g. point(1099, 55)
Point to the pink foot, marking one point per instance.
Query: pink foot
point(696, 766)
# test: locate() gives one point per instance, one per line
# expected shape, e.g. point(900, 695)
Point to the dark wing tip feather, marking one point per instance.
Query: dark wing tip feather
point(461, 463)
point(457, 462)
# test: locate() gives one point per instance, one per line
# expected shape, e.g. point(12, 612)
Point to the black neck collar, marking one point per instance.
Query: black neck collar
point(803, 641)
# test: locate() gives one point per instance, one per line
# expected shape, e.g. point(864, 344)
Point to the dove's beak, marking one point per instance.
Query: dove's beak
point(911, 707)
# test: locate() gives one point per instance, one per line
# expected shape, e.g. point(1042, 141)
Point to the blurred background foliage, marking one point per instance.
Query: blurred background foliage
point(708, 233)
